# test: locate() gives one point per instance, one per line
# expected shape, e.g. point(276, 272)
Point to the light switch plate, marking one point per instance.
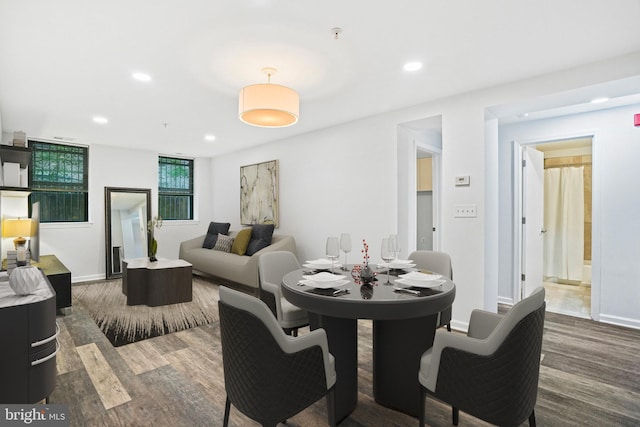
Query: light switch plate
point(463, 180)
point(465, 211)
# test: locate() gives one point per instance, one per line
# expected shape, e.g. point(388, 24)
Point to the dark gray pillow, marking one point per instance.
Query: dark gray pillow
point(261, 236)
point(212, 233)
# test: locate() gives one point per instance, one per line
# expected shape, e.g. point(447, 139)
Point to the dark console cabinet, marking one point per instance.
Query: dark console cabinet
point(28, 333)
point(59, 277)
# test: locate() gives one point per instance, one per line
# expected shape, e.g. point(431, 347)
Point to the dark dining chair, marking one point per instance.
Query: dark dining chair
point(268, 375)
point(492, 372)
point(440, 263)
point(272, 267)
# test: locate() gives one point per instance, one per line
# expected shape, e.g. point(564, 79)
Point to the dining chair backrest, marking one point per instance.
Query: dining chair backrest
point(437, 262)
point(272, 267)
point(269, 376)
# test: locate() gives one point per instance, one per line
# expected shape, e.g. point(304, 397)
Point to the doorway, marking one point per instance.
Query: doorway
point(424, 196)
point(568, 225)
point(563, 186)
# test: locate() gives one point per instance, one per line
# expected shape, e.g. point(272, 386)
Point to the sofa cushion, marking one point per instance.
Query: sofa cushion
point(215, 228)
point(241, 242)
point(223, 243)
point(261, 235)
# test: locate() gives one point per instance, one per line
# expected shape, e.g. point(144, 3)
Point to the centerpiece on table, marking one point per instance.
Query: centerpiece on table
point(152, 224)
point(363, 274)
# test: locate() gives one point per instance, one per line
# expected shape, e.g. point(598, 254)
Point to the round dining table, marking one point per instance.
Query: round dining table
point(404, 327)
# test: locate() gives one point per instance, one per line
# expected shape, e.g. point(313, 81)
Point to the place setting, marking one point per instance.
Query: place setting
point(419, 283)
point(325, 283)
point(389, 251)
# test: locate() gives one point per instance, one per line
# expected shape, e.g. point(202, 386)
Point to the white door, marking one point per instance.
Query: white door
point(532, 220)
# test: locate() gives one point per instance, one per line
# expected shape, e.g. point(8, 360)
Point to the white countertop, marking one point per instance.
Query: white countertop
point(9, 298)
point(159, 264)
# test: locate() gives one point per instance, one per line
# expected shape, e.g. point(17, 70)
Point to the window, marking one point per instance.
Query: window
point(59, 181)
point(175, 188)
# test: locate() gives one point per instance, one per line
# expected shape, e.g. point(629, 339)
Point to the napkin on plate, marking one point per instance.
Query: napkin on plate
point(418, 276)
point(324, 277)
point(324, 280)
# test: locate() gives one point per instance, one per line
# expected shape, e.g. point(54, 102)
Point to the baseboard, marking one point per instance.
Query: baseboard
point(505, 300)
point(620, 321)
point(459, 326)
point(91, 278)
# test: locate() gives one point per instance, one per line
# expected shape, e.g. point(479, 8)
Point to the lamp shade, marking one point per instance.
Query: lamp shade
point(16, 227)
point(268, 105)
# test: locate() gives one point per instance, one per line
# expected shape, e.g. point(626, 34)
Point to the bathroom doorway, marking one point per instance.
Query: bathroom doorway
point(568, 225)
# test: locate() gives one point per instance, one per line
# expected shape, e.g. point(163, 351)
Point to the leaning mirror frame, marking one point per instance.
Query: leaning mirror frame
point(117, 201)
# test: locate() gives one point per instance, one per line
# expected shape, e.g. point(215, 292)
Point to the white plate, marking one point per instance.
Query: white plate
point(318, 266)
point(396, 264)
point(418, 276)
point(421, 283)
point(324, 285)
point(324, 277)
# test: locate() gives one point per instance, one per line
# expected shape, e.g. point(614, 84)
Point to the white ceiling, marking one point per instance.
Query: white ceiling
point(63, 62)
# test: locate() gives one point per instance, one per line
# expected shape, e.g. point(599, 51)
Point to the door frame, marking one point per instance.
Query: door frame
point(517, 260)
point(436, 160)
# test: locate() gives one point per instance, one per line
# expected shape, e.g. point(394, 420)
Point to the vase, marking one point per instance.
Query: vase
point(366, 274)
point(366, 291)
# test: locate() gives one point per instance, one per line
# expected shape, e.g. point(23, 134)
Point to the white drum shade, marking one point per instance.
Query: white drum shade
point(268, 105)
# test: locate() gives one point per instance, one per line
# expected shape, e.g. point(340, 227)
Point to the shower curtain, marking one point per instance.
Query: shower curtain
point(564, 223)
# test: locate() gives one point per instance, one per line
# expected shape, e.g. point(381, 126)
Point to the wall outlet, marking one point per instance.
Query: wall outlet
point(465, 211)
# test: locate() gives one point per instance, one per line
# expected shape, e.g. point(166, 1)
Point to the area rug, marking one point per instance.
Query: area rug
point(124, 324)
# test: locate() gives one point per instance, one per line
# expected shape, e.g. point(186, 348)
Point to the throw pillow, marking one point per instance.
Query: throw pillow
point(241, 242)
point(223, 243)
point(215, 228)
point(261, 236)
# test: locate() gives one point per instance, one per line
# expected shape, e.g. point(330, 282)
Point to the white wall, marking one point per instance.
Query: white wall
point(349, 178)
point(616, 204)
point(81, 247)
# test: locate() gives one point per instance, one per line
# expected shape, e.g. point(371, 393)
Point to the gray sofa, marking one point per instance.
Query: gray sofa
point(241, 269)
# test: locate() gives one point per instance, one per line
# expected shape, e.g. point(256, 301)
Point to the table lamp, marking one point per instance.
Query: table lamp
point(17, 228)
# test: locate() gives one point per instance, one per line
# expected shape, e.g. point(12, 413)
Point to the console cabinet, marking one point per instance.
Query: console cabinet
point(28, 333)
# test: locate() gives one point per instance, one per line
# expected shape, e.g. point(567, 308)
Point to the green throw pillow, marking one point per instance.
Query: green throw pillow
point(241, 242)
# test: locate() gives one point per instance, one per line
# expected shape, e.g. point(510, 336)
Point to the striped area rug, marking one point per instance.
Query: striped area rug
point(123, 324)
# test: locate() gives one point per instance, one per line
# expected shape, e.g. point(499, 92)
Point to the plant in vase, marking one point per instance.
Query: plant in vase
point(155, 222)
point(363, 273)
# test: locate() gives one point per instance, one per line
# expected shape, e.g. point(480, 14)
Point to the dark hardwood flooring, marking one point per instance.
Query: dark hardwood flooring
point(590, 376)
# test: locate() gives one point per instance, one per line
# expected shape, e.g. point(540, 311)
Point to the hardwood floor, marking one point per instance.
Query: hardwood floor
point(590, 376)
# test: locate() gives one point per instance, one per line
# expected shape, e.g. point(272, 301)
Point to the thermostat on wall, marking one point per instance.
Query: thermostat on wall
point(462, 180)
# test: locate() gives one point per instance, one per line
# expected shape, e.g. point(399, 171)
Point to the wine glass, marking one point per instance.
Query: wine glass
point(333, 251)
point(394, 246)
point(387, 254)
point(345, 245)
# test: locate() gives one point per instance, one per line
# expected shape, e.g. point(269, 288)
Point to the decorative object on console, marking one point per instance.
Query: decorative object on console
point(259, 193)
point(18, 258)
point(268, 105)
point(155, 222)
point(25, 280)
point(17, 228)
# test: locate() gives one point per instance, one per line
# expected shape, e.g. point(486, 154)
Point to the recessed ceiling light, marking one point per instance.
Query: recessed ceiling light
point(210, 137)
point(599, 100)
point(100, 120)
point(412, 66)
point(141, 77)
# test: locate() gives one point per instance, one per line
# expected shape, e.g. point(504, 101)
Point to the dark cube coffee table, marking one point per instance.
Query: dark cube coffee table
point(156, 283)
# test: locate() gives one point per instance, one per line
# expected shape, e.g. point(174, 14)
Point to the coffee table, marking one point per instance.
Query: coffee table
point(156, 283)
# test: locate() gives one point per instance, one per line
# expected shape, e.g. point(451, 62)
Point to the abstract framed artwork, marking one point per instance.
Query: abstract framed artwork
point(259, 193)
